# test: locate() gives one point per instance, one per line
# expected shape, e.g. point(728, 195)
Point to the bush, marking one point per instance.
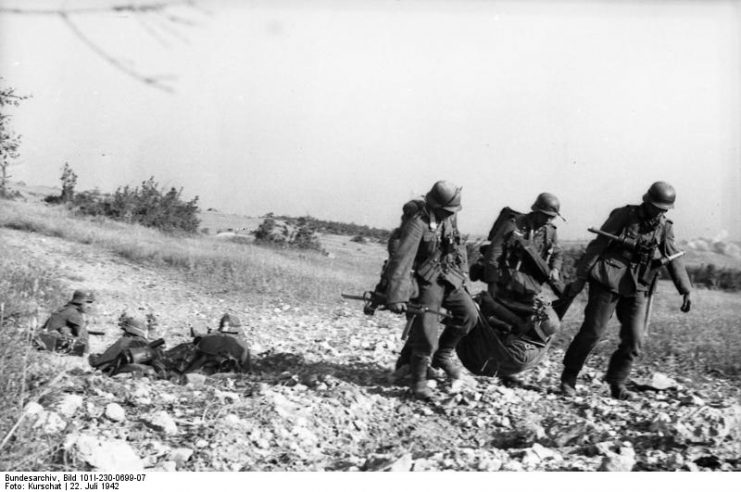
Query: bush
point(280, 233)
point(147, 205)
point(359, 239)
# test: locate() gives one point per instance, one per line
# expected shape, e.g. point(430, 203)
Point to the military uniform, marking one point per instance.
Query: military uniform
point(220, 352)
point(133, 352)
point(495, 348)
point(505, 263)
point(66, 329)
point(431, 248)
point(618, 283)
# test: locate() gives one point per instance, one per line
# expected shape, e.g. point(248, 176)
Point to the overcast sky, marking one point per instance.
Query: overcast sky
point(344, 110)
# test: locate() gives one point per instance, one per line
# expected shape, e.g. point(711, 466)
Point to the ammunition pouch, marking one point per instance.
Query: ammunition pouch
point(430, 269)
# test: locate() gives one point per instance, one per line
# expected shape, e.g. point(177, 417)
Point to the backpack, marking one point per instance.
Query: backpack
point(478, 267)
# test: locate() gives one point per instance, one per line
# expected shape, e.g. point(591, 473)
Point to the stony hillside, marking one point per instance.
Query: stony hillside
point(323, 397)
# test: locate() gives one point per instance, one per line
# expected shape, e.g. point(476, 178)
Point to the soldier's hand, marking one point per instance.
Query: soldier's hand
point(397, 307)
point(555, 274)
point(686, 303)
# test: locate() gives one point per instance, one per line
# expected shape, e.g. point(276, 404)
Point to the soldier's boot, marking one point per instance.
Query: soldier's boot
point(568, 385)
point(620, 392)
point(418, 367)
point(445, 357)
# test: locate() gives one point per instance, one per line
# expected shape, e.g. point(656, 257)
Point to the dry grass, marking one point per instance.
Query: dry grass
point(222, 265)
point(23, 288)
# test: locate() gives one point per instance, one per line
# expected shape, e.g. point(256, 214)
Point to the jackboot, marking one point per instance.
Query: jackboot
point(568, 385)
point(620, 392)
point(418, 367)
point(445, 357)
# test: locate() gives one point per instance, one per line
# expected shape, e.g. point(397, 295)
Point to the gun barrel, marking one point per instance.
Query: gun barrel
point(95, 332)
point(600, 232)
point(353, 296)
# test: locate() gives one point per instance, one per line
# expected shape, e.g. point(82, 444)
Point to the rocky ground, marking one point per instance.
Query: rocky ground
point(323, 396)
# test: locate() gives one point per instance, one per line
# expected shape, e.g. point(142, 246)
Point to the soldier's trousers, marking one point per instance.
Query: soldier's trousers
point(423, 336)
point(600, 308)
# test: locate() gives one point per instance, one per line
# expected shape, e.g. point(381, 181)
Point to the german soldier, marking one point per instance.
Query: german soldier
point(518, 321)
point(222, 350)
point(133, 352)
point(430, 247)
point(66, 329)
point(620, 280)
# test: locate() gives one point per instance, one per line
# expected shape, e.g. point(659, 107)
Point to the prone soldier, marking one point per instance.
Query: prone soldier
point(622, 279)
point(132, 353)
point(220, 351)
point(65, 330)
point(430, 247)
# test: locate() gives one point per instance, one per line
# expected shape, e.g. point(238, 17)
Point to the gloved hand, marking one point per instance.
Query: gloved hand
point(573, 289)
point(686, 303)
point(397, 307)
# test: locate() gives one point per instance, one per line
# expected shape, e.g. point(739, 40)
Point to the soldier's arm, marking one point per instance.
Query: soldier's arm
point(402, 260)
point(614, 225)
point(491, 260)
point(677, 270)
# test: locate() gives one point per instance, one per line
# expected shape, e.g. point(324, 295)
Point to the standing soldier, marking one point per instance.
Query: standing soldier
point(66, 329)
point(430, 246)
point(622, 275)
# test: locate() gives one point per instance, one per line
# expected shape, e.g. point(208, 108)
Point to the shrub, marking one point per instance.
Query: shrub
point(280, 233)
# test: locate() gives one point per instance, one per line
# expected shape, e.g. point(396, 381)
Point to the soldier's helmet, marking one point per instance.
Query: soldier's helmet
point(232, 320)
point(547, 203)
point(661, 194)
point(134, 326)
point(444, 195)
point(83, 296)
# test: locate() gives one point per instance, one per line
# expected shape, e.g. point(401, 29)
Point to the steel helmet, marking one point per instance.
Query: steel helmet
point(231, 319)
point(661, 194)
point(444, 195)
point(548, 204)
point(134, 326)
point(82, 296)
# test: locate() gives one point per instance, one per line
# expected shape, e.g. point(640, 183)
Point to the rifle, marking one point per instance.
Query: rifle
point(376, 300)
point(645, 251)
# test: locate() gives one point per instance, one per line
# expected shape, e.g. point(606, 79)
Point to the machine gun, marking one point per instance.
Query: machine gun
point(644, 250)
point(376, 300)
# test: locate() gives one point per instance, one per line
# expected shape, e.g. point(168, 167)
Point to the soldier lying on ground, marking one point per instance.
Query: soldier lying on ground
point(220, 351)
point(66, 329)
point(132, 353)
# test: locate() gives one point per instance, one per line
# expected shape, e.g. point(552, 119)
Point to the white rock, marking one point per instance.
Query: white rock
point(50, 423)
point(161, 421)
point(233, 420)
point(166, 466)
point(403, 464)
point(620, 462)
point(201, 443)
point(69, 405)
point(180, 455)
point(104, 455)
point(33, 409)
point(195, 380)
point(115, 412)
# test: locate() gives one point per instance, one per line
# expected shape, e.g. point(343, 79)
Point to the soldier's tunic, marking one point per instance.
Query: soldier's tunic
point(220, 352)
point(615, 285)
point(501, 259)
point(434, 253)
point(65, 330)
point(109, 363)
